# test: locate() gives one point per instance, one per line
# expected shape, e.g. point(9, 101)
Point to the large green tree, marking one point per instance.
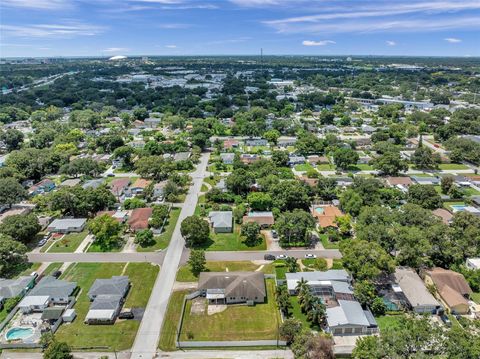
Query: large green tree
point(21, 227)
point(294, 227)
point(11, 192)
point(106, 230)
point(195, 230)
point(12, 256)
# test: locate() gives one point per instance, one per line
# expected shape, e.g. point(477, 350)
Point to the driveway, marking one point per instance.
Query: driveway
point(146, 341)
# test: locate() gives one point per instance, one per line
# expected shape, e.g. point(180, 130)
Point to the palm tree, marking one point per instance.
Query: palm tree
point(292, 265)
point(317, 313)
point(302, 284)
point(307, 302)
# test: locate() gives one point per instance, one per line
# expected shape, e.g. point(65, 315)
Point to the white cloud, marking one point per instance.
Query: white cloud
point(317, 43)
point(116, 49)
point(171, 46)
point(390, 43)
point(174, 26)
point(452, 40)
point(38, 4)
point(51, 30)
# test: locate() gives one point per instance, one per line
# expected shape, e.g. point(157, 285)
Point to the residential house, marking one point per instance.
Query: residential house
point(119, 186)
point(221, 221)
point(45, 185)
point(349, 318)
point(315, 160)
point(221, 185)
point(444, 215)
point(159, 190)
point(344, 181)
point(227, 158)
point(139, 219)
point(67, 225)
point(152, 122)
point(94, 183)
point(473, 263)
point(249, 158)
point(58, 290)
point(411, 290)
point(230, 143)
point(139, 144)
point(401, 183)
point(430, 180)
point(264, 219)
point(72, 182)
point(326, 215)
point(11, 288)
point(284, 141)
point(138, 187)
point(256, 141)
point(296, 160)
point(452, 289)
point(119, 215)
point(181, 156)
point(232, 287)
point(107, 296)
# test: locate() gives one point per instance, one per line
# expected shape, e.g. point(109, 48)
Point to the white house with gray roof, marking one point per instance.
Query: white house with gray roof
point(11, 288)
point(67, 225)
point(117, 285)
point(349, 318)
point(221, 221)
point(104, 309)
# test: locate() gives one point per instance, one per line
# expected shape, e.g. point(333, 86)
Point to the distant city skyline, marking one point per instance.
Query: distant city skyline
point(49, 28)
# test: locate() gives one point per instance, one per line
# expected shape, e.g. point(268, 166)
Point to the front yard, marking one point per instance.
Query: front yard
point(168, 334)
point(237, 322)
point(185, 275)
point(162, 240)
point(121, 335)
point(69, 243)
point(234, 242)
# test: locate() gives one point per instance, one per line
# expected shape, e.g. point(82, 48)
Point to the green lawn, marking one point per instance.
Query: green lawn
point(69, 243)
point(237, 322)
point(212, 181)
point(388, 321)
point(170, 323)
point(304, 167)
point(204, 188)
point(233, 242)
point(95, 248)
point(360, 167)
point(453, 166)
point(448, 205)
point(337, 264)
point(52, 267)
point(326, 167)
point(162, 240)
point(326, 243)
point(119, 336)
point(476, 297)
point(29, 268)
point(469, 191)
point(280, 271)
point(185, 275)
point(297, 313)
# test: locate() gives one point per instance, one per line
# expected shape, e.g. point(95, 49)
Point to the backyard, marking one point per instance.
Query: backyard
point(237, 322)
point(298, 314)
point(388, 321)
point(119, 336)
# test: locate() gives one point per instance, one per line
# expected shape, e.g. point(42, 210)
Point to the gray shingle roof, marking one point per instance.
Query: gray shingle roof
point(53, 287)
point(234, 284)
point(106, 302)
point(221, 219)
point(348, 312)
point(10, 288)
point(117, 285)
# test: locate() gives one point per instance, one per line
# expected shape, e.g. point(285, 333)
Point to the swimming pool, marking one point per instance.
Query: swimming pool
point(458, 207)
point(319, 210)
point(18, 333)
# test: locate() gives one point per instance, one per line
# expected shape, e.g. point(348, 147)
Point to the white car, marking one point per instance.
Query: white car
point(310, 255)
point(282, 256)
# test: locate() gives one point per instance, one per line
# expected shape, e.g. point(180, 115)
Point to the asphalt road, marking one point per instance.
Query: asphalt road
point(146, 341)
point(153, 257)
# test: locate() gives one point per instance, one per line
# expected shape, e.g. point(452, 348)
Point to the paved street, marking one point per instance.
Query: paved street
point(146, 341)
point(154, 257)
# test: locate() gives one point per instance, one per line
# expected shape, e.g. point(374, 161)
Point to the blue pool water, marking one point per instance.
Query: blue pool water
point(458, 207)
point(319, 210)
point(19, 333)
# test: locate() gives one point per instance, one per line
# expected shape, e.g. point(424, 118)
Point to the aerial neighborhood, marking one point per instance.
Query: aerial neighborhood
point(298, 207)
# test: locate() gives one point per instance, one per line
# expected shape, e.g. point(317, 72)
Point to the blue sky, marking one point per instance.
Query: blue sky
point(201, 27)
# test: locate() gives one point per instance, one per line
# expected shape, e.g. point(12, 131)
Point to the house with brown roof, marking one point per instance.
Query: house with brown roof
point(230, 143)
point(326, 214)
point(264, 219)
point(398, 181)
point(451, 287)
point(119, 186)
point(232, 287)
point(444, 215)
point(139, 219)
point(138, 186)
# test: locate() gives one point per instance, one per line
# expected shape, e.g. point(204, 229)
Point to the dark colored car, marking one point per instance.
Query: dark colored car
point(274, 233)
point(57, 274)
point(446, 320)
point(269, 257)
point(126, 315)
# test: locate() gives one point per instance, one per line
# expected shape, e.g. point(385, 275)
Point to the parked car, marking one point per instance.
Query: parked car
point(34, 274)
point(269, 257)
point(446, 320)
point(282, 256)
point(126, 315)
point(274, 233)
point(41, 242)
point(310, 255)
point(110, 175)
point(57, 274)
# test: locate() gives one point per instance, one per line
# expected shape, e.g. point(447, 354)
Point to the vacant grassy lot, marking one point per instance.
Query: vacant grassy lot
point(169, 328)
point(119, 336)
point(162, 240)
point(303, 167)
point(236, 322)
point(185, 275)
point(388, 321)
point(69, 243)
point(453, 166)
point(234, 242)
